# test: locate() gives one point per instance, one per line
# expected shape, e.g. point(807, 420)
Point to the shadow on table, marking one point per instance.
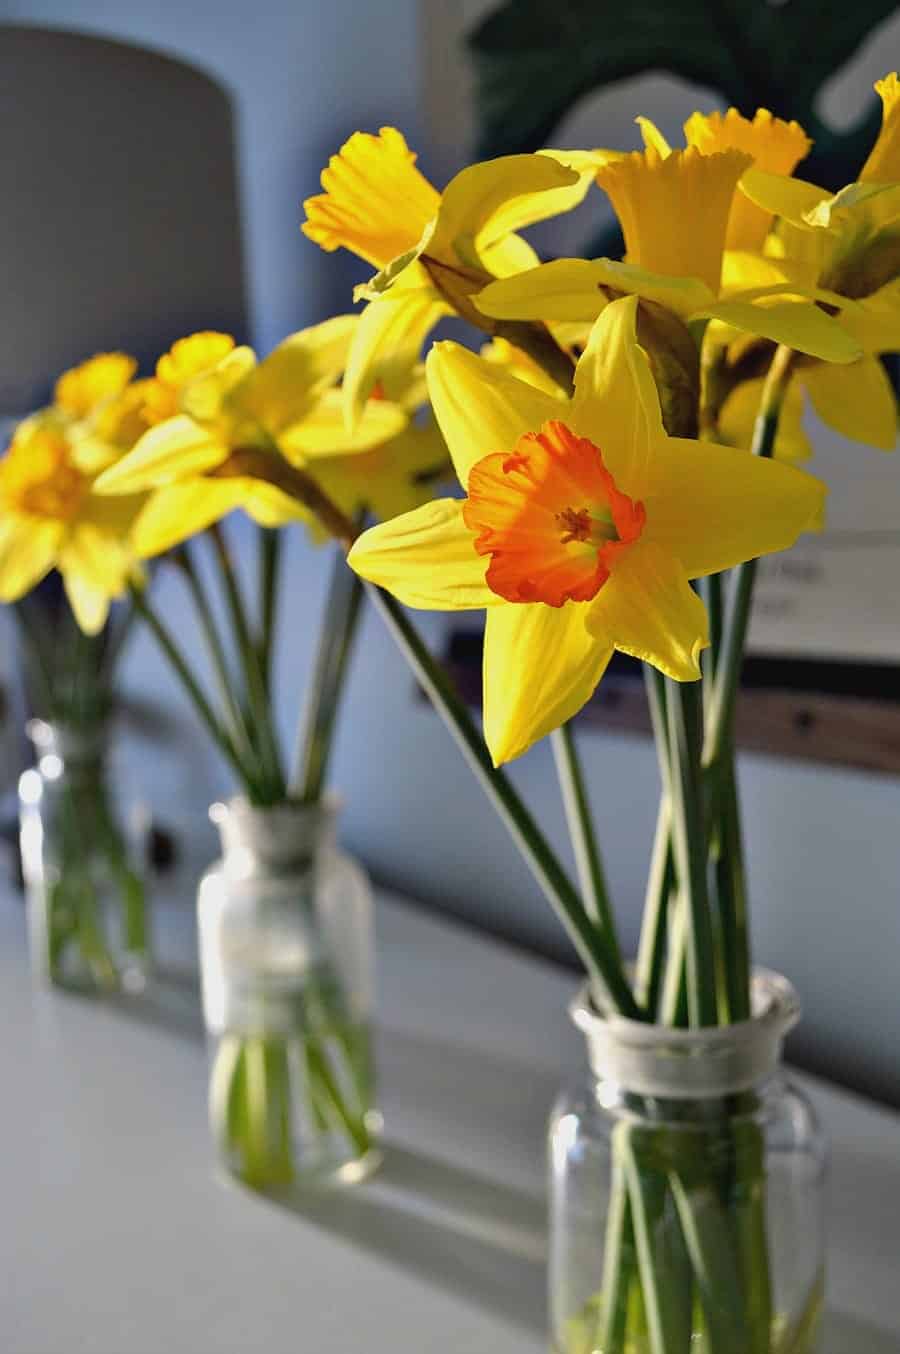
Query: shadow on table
point(444, 1214)
point(170, 1004)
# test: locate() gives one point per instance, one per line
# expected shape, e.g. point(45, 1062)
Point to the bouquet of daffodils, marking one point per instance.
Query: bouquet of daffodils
point(627, 445)
point(123, 470)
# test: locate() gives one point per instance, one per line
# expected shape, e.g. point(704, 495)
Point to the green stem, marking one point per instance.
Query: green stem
point(588, 861)
point(184, 561)
point(605, 971)
point(269, 560)
point(217, 732)
point(728, 670)
point(315, 735)
point(689, 847)
point(731, 894)
point(651, 956)
point(272, 786)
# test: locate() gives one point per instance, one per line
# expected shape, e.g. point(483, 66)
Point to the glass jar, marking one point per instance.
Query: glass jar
point(686, 1201)
point(285, 922)
point(82, 865)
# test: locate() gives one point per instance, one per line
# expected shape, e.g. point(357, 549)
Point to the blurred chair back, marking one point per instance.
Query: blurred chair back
point(120, 225)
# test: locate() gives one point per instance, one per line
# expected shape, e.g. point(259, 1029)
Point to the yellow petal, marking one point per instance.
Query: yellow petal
point(280, 391)
point(323, 431)
point(875, 320)
point(376, 203)
point(776, 147)
point(798, 324)
point(82, 388)
point(648, 609)
point(883, 164)
point(100, 560)
point(175, 450)
point(653, 138)
point(480, 408)
point(712, 506)
point(616, 403)
point(510, 254)
point(90, 604)
point(866, 204)
point(541, 665)
point(178, 511)
point(202, 396)
point(504, 354)
point(857, 401)
point(566, 289)
point(270, 507)
point(791, 199)
point(427, 559)
point(674, 210)
point(28, 549)
point(682, 295)
point(494, 198)
point(388, 343)
point(738, 416)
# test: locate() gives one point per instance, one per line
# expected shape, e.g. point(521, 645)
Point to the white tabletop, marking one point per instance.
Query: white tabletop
point(116, 1236)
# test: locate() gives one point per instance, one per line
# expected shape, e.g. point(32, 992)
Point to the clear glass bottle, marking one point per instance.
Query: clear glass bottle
point(82, 864)
point(686, 1200)
point(286, 957)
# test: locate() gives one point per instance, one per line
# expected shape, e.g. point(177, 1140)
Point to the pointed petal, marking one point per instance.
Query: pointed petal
point(491, 199)
point(681, 295)
point(202, 397)
point(541, 665)
point(713, 506)
point(875, 320)
point(616, 403)
point(388, 343)
point(269, 507)
point(779, 195)
point(376, 203)
point(96, 557)
point(883, 164)
point(90, 604)
point(178, 511)
point(28, 549)
point(653, 137)
point(282, 388)
point(857, 401)
point(426, 558)
point(738, 415)
point(174, 450)
point(479, 407)
point(323, 432)
point(648, 609)
point(567, 289)
point(800, 325)
point(872, 204)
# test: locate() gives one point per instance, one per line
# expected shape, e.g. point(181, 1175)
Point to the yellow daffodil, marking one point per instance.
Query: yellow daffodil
point(285, 408)
point(677, 210)
point(847, 243)
point(434, 251)
point(51, 516)
point(582, 525)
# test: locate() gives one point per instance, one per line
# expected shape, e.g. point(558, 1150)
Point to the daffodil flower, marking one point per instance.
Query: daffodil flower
point(848, 243)
point(434, 251)
point(677, 211)
point(582, 526)
point(285, 408)
point(51, 516)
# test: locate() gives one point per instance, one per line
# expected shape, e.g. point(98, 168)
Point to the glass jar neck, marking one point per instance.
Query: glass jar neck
point(275, 840)
point(694, 1064)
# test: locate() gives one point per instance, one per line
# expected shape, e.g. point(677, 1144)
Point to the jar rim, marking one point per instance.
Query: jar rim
point(710, 1060)
point(285, 833)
